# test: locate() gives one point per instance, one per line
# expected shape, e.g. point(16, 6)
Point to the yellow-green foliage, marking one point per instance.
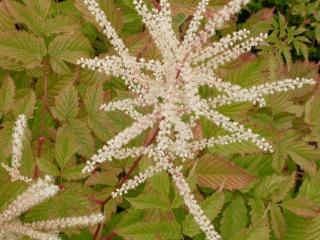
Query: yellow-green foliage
point(247, 194)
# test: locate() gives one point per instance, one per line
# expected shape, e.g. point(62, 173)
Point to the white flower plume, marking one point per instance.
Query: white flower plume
point(18, 137)
point(171, 87)
point(37, 192)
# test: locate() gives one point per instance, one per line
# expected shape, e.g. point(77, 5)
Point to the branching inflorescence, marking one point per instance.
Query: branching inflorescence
point(172, 90)
point(37, 192)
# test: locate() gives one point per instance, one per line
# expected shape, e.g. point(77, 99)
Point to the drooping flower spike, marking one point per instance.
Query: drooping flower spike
point(37, 192)
point(172, 91)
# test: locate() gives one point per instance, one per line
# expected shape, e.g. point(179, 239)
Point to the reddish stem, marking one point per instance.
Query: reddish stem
point(148, 141)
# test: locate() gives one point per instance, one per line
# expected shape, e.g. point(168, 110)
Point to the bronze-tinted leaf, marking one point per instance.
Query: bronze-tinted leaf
point(216, 172)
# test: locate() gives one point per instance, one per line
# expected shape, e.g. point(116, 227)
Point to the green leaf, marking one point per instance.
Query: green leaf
point(5, 139)
point(161, 183)
point(248, 74)
point(74, 172)
point(7, 23)
point(313, 229)
point(100, 125)
point(64, 204)
point(61, 24)
point(310, 189)
point(215, 172)
point(150, 201)
point(277, 220)
point(302, 206)
point(32, 13)
point(9, 191)
point(58, 83)
point(22, 48)
point(108, 178)
point(27, 159)
point(154, 230)
point(234, 218)
point(312, 111)
point(275, 187)
point(65, 148)
point(303, 155)
point(125, 219)
point(79, 130)
point(48, 167)
point(41, 7)
point(25, 105)
point(258, 231)
point(258, 209)
point(278, 159)
point(211, 206)
point(93, 99)
point(296, 227)
point(107, 125)
point(66, 105)
point(69, 48)
point(7, 92)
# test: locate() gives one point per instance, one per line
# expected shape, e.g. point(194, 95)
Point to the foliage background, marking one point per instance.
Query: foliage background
point(247, 194)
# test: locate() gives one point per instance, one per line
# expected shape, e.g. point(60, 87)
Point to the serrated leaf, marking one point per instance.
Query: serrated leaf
point(74, 172)
point(303, 156)
point(7, 23)
point(9, 191)
point(125, 219)
point(277, 220)
point(312, 111)
point(310, 189)
point(275, 187)
point(302, 206)
point(7, 92)
point(161, 183)
point(79, 130)
point(25, 105)
point(41, 7)
point(61, 24)
point(64, 204)
point(23, 48)
point(32, 13)
point(69, 48)
point(65, 147)
point(258, 209)
point(108, 7)
point(234, 218)
point(107, 124)
point(258, 165)
point(296, 227)
point(304, 70)
point(93, 98)
point(248, 74)
point(215, 172)
point(260, 21)
point(66, 105)
point(27, 159)
point(6, 139)
point(150, 201)
point(103, 178)
point(154, 230)
point(211, 207)
point(47, 166)
point(58, 83)
point(100, 126)
point(254, 232)
point(278, 159)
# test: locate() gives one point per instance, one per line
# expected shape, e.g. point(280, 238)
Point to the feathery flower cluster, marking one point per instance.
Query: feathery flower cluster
point(37, 192)
point(18, 137)
point(173, 91)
